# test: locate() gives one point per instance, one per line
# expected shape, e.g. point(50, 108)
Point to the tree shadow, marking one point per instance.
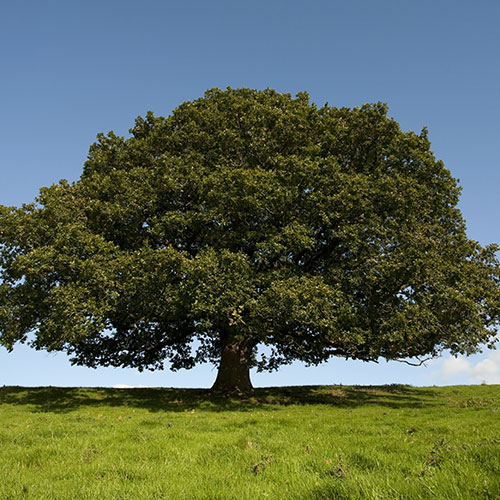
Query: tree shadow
point(62, 399)
point(391, 396)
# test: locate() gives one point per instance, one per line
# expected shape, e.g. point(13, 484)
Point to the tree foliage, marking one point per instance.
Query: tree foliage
point(249, 218)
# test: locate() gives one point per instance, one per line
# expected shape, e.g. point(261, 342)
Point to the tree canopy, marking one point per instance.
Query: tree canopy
point(249, 218)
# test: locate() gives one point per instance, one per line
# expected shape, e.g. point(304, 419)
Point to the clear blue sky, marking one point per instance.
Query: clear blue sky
point(71, 69)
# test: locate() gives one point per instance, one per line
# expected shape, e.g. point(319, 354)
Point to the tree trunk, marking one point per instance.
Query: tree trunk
point(233, 377)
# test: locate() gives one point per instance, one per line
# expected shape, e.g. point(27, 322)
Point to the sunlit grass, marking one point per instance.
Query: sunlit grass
point(301, 443)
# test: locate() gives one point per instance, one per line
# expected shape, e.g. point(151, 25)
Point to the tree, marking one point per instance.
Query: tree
point(245, 219)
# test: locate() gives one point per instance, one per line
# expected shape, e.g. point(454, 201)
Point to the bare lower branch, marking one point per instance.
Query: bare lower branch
point(419, 363)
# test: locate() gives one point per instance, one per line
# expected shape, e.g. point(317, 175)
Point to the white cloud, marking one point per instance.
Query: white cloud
point(460, 370)
point(487, 371)
point(455, 366)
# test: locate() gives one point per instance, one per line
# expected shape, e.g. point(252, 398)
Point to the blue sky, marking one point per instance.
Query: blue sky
point(72, 69)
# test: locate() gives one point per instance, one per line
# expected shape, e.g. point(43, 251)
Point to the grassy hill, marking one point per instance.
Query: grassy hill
point(284, 443)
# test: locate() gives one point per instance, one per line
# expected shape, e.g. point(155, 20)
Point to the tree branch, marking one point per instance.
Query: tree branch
point(420, 361)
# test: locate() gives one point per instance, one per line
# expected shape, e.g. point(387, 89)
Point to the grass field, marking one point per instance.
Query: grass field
point(285, 443)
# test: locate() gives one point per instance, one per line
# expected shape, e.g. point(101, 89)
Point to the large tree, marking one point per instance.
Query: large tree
point(245, 219)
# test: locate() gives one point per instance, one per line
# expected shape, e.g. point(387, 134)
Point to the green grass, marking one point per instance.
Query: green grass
point(285, 443)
